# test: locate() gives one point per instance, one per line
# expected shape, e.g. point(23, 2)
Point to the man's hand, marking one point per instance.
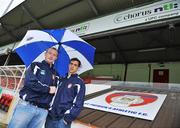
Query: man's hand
point(52, 89)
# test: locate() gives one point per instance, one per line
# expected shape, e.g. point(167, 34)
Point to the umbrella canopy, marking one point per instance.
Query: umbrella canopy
point(35, 43)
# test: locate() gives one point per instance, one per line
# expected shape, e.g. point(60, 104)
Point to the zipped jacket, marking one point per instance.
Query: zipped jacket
point(68, 100)
point(38, 78)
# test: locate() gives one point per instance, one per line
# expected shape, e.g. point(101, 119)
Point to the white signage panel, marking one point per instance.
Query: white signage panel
point(135, 104)
point(153, 12)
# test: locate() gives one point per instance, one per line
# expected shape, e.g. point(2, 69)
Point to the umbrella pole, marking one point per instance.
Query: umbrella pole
point(9, 52)
point(23, 73)
point(7, 59)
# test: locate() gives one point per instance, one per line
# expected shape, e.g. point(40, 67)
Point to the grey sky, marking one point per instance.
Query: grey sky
point(8, 5)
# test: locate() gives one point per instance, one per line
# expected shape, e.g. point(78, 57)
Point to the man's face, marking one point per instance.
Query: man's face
point(51, 55)
point(73, 67)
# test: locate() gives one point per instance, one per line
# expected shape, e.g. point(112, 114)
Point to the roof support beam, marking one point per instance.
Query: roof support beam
point(66, 6)
point(61, 8)
point(93, 7)
point(14, 37)
point(31, 16)
point(8, 31)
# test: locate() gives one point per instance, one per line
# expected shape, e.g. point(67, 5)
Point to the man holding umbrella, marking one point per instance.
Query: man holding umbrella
point(37, 93)
point(69, 45)
point(68, 100)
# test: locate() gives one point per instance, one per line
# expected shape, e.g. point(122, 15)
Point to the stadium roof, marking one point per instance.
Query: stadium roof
point(153, 42)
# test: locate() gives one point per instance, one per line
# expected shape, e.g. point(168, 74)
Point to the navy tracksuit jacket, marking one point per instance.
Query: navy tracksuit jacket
point(39, 76)
point(68, 100)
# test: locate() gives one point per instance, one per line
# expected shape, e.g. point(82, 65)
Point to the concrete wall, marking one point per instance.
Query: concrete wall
point(114, 70)
point(136, 72)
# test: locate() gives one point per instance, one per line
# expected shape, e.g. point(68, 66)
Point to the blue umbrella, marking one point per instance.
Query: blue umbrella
point(36, 42)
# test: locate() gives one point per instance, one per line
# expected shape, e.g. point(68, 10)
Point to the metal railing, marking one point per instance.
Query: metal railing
point(11, 77)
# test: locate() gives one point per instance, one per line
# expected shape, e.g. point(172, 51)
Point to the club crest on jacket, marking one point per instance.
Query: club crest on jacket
point(69, 85)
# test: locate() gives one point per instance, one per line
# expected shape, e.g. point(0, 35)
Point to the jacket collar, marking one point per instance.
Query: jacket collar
point(48, 65)
point(71, 75)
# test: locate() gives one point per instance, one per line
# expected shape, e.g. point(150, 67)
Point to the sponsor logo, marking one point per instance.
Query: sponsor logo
point(42, 72)
point(142, 13)
point(166, 7)
point(29, 38)
point(80, 29)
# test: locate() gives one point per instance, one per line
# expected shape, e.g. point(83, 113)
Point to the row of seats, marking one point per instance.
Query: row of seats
point(12, 82)
point(5, 101)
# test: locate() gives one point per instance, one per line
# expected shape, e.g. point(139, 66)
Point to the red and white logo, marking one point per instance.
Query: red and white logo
point(130, 99)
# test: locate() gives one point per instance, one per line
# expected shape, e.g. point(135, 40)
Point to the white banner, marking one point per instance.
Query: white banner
point(135, 104)
point(153, 12)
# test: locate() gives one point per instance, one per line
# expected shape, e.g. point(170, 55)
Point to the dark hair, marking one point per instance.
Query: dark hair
point(76, 59)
